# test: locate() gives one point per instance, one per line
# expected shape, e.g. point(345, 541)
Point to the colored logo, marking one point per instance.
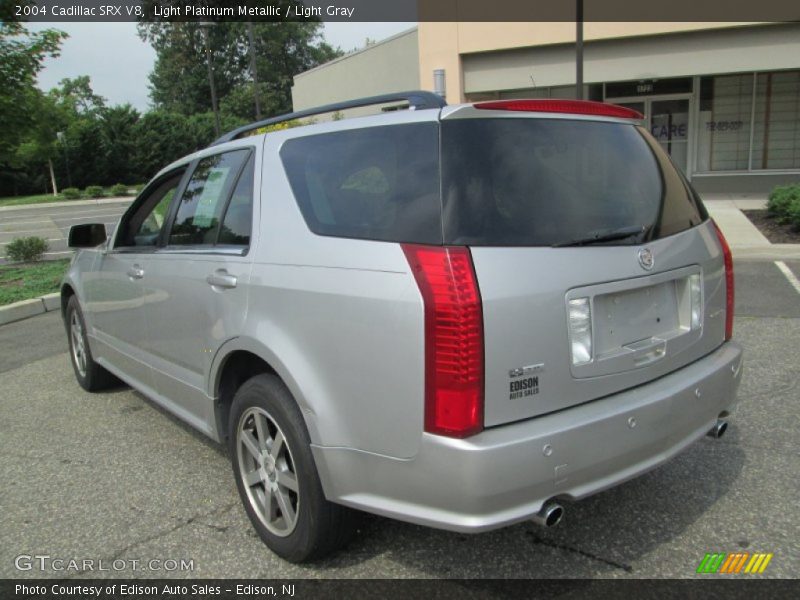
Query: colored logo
point(735, 562)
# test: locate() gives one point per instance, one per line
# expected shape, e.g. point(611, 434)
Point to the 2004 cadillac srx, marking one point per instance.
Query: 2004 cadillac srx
point(459, 316)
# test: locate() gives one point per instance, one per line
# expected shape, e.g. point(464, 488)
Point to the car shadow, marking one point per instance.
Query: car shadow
point(185, 427)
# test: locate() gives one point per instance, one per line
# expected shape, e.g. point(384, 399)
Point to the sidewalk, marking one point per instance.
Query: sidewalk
point(744, 238)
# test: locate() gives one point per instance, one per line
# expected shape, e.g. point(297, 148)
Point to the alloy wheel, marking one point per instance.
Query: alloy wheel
point(78, 343)
point(267, 471)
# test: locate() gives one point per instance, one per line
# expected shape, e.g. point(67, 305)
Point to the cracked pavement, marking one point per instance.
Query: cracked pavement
point(112, 476)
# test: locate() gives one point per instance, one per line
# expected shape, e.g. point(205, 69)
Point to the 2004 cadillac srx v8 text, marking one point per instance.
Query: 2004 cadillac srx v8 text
point(459, 316)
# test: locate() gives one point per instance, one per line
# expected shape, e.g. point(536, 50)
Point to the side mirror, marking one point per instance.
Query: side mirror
point(87, 235)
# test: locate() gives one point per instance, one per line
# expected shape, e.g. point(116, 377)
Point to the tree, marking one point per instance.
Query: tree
point(285, 50)
point(77, 94)
point(179, 81)
point(21, 57)
point(118, 134)
point(240, 102)
point(161, 137)
point(41, 145)
point(69, 121)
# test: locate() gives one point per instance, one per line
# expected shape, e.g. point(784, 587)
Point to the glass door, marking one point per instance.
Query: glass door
point(637, 106)
point(668, 121)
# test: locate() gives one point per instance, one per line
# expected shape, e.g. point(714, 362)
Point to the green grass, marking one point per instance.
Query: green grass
point(46, 198)
point(30, 280)
point(40, 199)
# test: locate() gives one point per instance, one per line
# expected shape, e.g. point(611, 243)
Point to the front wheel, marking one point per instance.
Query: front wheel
point(90, 375)
point(276, 476)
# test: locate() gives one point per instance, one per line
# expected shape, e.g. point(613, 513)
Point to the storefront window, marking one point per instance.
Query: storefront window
point(776, 133)
point(723, 132)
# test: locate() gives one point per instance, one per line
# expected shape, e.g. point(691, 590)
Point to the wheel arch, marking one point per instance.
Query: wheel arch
point(67, 292)
point(237, 361)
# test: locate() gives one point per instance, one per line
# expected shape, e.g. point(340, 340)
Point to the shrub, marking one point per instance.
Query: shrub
point(139, 187)
point(71, 193)
point(94, 191)
point(793, 214)
point(26, 249)
point(780, 200)
point(119, 190)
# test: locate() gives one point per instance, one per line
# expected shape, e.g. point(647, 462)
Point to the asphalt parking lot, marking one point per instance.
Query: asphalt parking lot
point(112, 476)
point(52, 222)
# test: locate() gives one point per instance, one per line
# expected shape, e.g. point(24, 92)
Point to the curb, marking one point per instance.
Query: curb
point(29, 308)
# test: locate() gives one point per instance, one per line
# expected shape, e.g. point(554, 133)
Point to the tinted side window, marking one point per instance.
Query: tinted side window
point(377, 183)
point(143, 226)
point(202, 203)
point(238, 217)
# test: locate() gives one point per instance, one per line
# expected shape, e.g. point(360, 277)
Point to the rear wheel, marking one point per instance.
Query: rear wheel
point(90, 375)
point(276, 477)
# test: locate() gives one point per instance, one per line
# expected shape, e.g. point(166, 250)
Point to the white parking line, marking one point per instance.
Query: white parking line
point(48, 239)
point(65, 219)
point(795, 283)
point(50, 229)
point(67, 211)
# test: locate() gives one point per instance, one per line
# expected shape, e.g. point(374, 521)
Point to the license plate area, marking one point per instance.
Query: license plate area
point(631, 318)
point(638, 322)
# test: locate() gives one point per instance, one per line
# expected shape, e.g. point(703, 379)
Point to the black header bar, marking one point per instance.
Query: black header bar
point(398, 10)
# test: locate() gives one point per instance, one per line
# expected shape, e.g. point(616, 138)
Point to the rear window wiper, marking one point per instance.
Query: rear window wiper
point(607, 236)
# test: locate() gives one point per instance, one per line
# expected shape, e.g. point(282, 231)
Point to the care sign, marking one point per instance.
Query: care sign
point(670, 127)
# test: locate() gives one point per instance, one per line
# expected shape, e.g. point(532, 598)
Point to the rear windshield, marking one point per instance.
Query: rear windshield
point(544, 182)
point(490, 182)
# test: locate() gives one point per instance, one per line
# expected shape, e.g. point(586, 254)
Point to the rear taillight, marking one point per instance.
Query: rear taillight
point(729, 297)
point(453, 338)
point(575, 107)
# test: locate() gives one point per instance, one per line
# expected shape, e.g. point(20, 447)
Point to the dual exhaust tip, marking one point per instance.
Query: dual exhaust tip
point(552, 512)
point(719, 429)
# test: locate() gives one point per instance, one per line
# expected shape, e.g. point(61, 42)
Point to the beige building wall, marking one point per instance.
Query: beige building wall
point(446, 45)
point(768, 47)
point(391, 65)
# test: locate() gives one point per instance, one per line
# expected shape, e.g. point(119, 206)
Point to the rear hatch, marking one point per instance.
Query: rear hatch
point(597, 265)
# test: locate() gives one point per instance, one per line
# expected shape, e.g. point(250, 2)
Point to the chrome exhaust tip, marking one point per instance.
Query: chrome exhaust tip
point(719, 429)
point(550, 515)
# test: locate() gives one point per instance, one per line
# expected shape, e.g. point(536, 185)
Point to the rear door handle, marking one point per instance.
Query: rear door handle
point(221, 279)
point(136, 272)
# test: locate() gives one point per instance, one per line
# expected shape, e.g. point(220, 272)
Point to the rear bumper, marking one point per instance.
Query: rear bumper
point(503, 476)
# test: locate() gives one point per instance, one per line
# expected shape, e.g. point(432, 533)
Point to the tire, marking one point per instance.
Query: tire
point(91, 376)
point(298, 524)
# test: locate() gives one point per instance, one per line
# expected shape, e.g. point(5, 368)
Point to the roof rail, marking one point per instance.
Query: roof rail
point(417, 100)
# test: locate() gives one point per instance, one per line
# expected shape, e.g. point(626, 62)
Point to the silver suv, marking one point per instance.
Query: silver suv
point(458, 316)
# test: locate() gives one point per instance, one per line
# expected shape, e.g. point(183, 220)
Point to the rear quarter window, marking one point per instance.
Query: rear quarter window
point(377, 183)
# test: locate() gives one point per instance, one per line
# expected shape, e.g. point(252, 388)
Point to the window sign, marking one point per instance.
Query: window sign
point(209, 198)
